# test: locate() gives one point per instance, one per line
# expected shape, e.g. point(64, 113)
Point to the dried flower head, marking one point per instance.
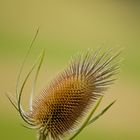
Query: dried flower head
point(59, 107)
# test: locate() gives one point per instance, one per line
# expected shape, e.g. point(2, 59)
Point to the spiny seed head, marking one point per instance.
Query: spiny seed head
point(59, 107)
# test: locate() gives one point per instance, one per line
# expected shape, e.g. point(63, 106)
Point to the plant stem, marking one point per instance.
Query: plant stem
point(42, 136)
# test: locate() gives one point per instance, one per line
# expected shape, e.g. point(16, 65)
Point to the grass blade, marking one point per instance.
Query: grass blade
point(100, 114)
point(23, 63)
point(21, 111)
point(35, 80)
point(13, 102)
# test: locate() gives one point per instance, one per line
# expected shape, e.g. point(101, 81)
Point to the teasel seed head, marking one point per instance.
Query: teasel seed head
point(60, 106)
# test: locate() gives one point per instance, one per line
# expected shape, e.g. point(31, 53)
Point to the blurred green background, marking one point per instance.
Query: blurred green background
point(67, 27)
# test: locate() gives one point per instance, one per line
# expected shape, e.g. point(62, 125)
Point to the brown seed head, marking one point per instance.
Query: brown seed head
point(59, 107)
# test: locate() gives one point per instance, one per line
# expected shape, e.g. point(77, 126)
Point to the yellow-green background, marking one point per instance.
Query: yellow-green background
point(67, 27)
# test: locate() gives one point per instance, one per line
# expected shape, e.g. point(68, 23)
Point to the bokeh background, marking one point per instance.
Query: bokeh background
point(67, 27)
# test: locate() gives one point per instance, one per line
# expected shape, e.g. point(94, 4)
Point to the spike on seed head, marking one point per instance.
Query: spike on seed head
point(60, 106)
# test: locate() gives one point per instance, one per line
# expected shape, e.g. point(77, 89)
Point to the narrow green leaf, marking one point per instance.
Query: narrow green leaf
point(23, 63)
point(13, 102)
point(35, 80)
point(100, 114)
point(22, 113)
point(87, 120)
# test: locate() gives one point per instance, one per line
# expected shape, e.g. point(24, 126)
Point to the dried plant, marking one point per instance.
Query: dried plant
point(59, 108)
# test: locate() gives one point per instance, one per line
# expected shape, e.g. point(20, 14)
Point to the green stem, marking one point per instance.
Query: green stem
point(42, 137)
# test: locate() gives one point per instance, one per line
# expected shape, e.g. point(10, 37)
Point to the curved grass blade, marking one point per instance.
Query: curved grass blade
point(87, 120)
point(21, 111)
point(23, 63)
point(13, 102)
point(100, 114)
point(35, 80)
